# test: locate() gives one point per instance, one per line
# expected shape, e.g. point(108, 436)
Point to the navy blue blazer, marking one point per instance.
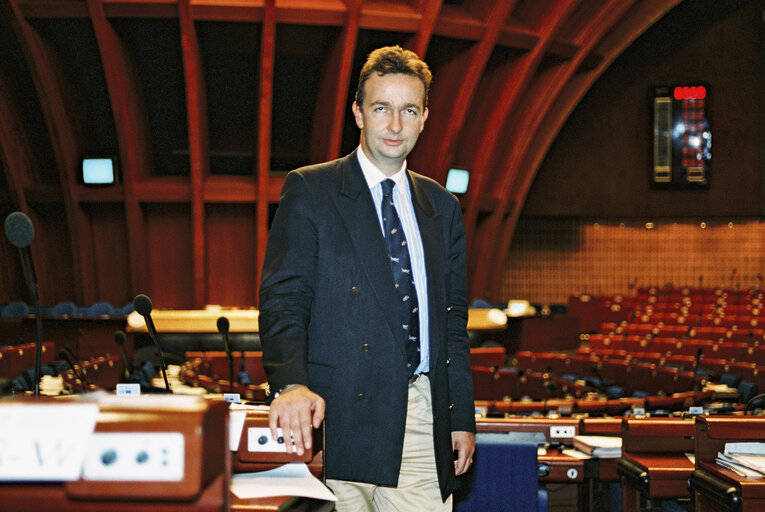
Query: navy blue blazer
point(329, 317)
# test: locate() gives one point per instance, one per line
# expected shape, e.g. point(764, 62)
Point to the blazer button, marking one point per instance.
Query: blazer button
point(448, 308)
point(448, 361)
point(354, 290)
point(360, 396)
point(451, 406)
point(365, 347)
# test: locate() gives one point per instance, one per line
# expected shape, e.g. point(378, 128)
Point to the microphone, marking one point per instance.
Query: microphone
point(64, 354)
point(223, 326)
point(243, 377)
point(696, 363)
point(143, 307)
point(21, 232)
point(550, 386)
point(119, 339)
point(602, 386)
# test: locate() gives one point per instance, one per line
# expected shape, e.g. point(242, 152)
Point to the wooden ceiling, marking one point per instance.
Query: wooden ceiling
point(211, 101)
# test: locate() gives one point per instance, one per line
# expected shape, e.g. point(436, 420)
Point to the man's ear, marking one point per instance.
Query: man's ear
point(358, 115)
point(424, 118)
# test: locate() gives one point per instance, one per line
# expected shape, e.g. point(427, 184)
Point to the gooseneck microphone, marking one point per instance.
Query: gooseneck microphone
point(21, 232)
point(143, 307)
point(65, 355)
point(223, 326)
point(602, 385)
point(119, 339)
point(696, 364)
point(243, 377)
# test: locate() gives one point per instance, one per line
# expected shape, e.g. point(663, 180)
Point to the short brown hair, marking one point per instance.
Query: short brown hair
point(394, 59)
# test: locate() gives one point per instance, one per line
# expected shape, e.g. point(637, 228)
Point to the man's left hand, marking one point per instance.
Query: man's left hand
point(464, 444)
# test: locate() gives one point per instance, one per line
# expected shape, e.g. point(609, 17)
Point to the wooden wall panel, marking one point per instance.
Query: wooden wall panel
point(112, 269)
point(52, 255)
point(554, 257)
point(169, 246)
point(231, 254)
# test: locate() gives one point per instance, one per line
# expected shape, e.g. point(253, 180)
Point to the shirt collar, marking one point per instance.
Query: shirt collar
point(375, 176)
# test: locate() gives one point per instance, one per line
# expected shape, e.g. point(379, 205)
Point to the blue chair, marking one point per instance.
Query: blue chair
point(16, 309)
point(730, 380)
point(747, 389)
point(100, 308)
point(500, 479)
point(64, 308)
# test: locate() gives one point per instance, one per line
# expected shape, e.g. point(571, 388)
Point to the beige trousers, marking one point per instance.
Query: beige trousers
point(417, 489)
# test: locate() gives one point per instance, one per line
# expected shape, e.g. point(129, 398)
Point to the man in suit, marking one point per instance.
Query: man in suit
point(363, 308)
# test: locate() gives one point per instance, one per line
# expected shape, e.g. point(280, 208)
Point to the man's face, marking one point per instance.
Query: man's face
point(391, 118)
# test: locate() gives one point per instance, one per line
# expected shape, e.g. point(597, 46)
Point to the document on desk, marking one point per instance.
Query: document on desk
point(746, 459)
point(292, 479)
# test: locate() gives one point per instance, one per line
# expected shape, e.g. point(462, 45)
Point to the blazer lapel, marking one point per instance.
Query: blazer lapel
point(358, 213)
point(431, 232)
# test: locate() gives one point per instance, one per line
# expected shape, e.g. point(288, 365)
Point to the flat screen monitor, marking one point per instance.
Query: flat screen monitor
point(457, 180)
point(99, 171)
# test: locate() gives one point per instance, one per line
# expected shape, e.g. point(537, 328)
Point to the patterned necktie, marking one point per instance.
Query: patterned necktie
point(402, 276)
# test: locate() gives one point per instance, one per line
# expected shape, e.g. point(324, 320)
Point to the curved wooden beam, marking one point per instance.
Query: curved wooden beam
point(329, 117)
point(47, 78)
point(267, 57)
point(620, 35)
point(516, 78)
point(199, 146)
point(450, 108)
point(525, 123)
point(15, 149)
point(132, 135)
point(419, 43)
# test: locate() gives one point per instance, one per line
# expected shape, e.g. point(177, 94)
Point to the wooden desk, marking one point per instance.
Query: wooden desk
point(654, 465)
point(195, 321)
point(714, 487)
point(246, 320)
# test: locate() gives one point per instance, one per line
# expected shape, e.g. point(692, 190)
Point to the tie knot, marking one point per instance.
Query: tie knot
point(387, 187)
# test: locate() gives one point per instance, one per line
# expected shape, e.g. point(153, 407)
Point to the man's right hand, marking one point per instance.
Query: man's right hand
point(297, 411)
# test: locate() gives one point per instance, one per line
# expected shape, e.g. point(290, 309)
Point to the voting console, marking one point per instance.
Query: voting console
point(158, 453)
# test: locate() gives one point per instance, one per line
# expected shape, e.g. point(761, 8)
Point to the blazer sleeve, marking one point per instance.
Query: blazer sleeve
point(459, 373)
point(287, 286)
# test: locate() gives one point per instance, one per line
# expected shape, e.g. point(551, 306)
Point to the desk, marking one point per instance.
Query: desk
point(716, 488)
point(654, 465)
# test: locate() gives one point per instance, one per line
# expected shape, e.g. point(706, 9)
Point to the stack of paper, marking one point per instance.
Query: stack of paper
point(746, 459)
point(603, 447)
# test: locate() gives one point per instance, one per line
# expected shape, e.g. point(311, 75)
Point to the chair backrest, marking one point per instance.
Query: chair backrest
point(64, 308)
point(16, 309)
point(100, 308)
point(503, 477)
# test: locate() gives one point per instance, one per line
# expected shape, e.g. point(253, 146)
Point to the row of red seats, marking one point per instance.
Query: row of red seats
point(721, 334)
point(15, 359)
point(632, 376)
point(733, 351)
point(596, 406)
point(734, 321)
point(100, 373)
point(490, 383)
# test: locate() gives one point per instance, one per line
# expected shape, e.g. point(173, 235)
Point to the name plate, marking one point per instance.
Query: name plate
point(44, 442)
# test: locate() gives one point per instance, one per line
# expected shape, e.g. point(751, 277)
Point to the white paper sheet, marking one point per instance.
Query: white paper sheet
point(292, 479)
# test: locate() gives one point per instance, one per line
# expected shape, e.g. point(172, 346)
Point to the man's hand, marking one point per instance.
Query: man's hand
point(464, 444)
point(297, 411)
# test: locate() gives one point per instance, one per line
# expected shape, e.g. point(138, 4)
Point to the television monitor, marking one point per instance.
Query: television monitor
point(99, 171)
point(457, 180)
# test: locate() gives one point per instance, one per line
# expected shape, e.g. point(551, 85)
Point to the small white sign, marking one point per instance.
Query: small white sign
point(232, 398)
point(132, 389)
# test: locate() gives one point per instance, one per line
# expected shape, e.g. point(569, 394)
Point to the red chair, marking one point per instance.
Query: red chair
point(488, 356)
